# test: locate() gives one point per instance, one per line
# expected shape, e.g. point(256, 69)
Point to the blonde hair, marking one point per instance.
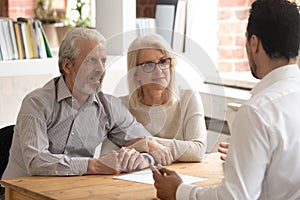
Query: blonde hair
point(153, 41)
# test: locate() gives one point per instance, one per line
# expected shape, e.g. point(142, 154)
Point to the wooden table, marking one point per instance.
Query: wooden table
point(90, 187)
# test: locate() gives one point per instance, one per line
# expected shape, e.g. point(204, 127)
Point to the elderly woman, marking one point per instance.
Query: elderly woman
point(174, 118)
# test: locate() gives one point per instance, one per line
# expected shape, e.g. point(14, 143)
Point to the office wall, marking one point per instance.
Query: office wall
point(232, 20)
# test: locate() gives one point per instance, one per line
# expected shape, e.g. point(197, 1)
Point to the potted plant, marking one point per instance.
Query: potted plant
point(81, 22)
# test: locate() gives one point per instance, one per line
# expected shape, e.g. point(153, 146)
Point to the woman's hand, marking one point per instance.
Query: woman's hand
point(160, 153)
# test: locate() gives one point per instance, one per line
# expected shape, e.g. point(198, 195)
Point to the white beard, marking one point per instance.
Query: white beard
point(91, 89)
point(88, 87)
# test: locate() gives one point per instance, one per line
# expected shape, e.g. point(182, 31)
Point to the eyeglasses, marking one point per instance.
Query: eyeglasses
point(163, 64)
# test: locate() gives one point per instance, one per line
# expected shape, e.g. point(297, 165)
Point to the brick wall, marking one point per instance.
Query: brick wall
point(21, 8)
point(233, 18)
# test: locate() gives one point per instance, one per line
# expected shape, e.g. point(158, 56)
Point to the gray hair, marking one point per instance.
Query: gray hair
point(68, 48)
point(153, 41)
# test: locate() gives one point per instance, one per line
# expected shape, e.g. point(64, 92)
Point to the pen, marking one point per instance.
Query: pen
point(156, 168)
point(162, 173)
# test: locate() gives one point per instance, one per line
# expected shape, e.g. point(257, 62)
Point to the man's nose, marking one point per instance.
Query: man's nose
point(100, 66)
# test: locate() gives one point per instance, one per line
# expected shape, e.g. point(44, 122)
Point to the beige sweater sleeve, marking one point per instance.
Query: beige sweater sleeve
point(188, 142)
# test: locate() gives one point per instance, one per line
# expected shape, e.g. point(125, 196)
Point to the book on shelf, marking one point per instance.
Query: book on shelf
point(47, 45)
point(23, 39)
point(41, 47)
point(33, 39)
point(20, 45)
point(3, 44)
point(13, 38)
point(31, 46)
point(9, 38)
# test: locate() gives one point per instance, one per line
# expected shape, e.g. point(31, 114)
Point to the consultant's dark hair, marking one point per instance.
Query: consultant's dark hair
point(277, 24)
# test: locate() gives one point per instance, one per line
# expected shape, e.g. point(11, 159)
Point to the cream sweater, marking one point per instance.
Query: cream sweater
point(177, 124)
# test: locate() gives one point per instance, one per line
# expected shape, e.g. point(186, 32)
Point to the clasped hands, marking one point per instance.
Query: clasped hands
point(128, 159)
point(161, 154)
point(115, 162)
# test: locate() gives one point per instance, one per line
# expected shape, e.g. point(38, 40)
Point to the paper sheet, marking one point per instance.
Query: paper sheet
point(145, 176)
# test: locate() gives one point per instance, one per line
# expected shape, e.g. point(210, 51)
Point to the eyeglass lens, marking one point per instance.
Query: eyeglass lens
point(163, 64)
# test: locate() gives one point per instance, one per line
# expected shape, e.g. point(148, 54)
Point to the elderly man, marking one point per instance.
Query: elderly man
point(60, 124)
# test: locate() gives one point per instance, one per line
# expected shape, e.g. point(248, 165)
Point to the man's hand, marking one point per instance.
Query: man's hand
point(131, 160)
point(167, 184)
point(107, 164)
point(160, 153)
point(223, 149)
point(124, 160)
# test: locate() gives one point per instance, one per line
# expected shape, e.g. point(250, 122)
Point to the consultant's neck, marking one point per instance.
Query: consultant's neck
point(269, 65)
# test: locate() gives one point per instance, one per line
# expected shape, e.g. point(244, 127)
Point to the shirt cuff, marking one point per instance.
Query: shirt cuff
point(79, 165)
point(184, 191)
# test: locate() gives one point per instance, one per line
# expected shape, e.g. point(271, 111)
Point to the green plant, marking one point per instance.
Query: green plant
point(80, 21)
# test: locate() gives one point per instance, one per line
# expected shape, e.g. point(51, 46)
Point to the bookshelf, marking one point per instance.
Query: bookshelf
point(23, 39)
point(26, 63)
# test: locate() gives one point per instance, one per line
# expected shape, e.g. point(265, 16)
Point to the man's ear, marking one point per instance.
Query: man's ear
point(254, 43)
point(67, 64)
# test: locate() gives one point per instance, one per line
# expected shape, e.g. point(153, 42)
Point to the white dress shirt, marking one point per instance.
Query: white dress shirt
point(263, 160)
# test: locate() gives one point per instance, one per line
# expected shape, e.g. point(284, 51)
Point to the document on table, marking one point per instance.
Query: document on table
point(145, 176)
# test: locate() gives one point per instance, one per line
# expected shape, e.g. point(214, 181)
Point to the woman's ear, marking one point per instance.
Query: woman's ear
point(67, 65)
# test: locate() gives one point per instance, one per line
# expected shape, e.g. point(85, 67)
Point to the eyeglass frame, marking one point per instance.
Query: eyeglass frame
point(159, 64)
